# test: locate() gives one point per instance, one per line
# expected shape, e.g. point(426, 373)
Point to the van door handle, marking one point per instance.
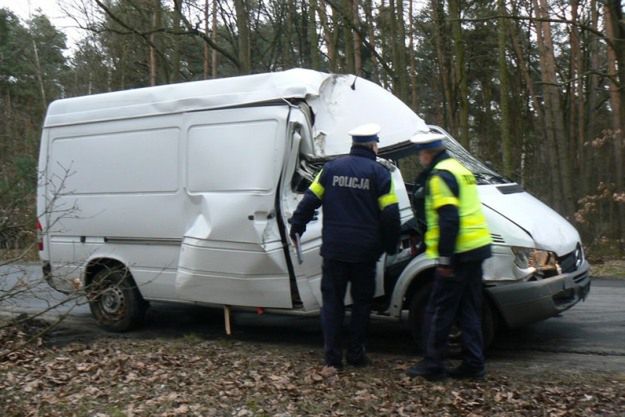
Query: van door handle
point(269, 217)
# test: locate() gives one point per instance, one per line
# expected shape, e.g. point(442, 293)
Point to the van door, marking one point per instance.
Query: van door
point(297, 176)
point(232, 252)
point(299, 173)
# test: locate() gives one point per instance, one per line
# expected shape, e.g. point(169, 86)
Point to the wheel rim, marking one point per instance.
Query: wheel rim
point(112, 301)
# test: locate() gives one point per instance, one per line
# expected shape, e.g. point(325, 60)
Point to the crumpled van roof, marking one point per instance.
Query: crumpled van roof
point(339, 103)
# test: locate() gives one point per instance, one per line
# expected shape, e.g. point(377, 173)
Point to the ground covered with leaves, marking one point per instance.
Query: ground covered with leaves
point(192, 376)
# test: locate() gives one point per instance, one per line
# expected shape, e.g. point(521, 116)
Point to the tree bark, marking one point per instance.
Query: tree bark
point(287, 49)
point(615, 30)
point(443, 67)
point(576, 106)
point(176, 75)
point(412, 58)
point(554, 116)
point(504, 88)
point(214, 39)
point(206, 62)
point(313, 37)
point(348, 34)
point(357, 40)
point(327, 36)
point(460, 71)
point(371, 33)
point(245, 59)
point(42, 89)
point(401, 67)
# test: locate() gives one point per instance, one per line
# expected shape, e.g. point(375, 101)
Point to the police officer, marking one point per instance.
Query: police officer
point(360, 222)
point(458, 238)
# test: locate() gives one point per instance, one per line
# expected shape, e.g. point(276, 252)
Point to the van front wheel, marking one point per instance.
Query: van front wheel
point(115, 301)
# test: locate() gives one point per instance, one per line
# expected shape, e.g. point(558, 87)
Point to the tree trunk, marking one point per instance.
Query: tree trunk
point(554, 116)
point(327, 36)
point(287, 48)
point(42, 89)
point(375, 76)
point(401, 67)
point(348, 35)
point(615, 28)
point(245, 59)
point(443, 67)
point(206, 61)
point(576, 111)
point(313, 38)
point(412, 58)
point(460, 71)
point(504, 88)
point(214, 38)
point(357, 40)
point(537, 106)
point(153, 61)
point(176, 41)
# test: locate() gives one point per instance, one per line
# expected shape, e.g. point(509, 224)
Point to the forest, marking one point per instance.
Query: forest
point(534, 87)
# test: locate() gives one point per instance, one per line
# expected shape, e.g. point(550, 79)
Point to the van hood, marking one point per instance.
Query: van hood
point(547, 228)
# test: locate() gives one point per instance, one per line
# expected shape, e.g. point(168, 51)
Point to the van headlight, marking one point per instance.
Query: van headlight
point(540, 262)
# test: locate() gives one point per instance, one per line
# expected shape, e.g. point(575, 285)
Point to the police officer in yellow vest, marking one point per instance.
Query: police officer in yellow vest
point(457, 237)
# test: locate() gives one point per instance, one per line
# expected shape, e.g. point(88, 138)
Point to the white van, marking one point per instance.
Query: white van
point(182, 193)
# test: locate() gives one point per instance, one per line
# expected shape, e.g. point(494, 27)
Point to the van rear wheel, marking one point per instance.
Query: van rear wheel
point(417, 309)
point(115, 301)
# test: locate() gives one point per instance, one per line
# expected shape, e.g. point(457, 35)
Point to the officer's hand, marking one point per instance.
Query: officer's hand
point(296, 230)
point(444, 271)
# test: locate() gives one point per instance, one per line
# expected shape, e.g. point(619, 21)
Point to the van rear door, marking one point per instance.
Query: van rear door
point(232, 252)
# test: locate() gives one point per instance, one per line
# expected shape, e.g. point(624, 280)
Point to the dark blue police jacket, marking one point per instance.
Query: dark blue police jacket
point(357, 227)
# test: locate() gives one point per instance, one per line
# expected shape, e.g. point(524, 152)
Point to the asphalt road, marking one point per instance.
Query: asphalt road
point(588, 337)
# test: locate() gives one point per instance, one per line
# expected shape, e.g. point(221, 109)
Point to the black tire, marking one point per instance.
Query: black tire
point(115, 301)
point(417, 308)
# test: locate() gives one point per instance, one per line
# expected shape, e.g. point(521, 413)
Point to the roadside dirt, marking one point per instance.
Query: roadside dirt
point(76, 372)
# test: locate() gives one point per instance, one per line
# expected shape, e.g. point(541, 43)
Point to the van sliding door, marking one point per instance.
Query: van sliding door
point(232, 252)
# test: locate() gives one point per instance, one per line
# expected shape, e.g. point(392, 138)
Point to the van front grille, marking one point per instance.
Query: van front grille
point(571, 261)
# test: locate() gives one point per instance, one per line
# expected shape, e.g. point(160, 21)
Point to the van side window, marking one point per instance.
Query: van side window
point(240, 156)
point(117, 162)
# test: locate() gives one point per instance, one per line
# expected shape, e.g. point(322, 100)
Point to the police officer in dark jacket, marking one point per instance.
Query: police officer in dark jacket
point(360, 222)
point(457, 237)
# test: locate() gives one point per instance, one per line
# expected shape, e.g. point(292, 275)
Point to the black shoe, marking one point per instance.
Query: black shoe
point(423, 370)
point(360, 362)
point(466, 372)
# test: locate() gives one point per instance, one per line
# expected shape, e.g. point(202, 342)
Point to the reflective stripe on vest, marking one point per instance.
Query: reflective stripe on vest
point(389, 198)
point(473, 232)
point(316, 187)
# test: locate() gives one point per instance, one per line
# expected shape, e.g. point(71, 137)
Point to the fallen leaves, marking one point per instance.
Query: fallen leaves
point(172, 378)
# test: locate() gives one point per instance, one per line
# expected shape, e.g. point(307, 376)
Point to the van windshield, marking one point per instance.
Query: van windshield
point(408, 162)
point(483, 174)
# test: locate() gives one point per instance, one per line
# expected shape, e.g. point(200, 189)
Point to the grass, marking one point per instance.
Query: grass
point(614, 268)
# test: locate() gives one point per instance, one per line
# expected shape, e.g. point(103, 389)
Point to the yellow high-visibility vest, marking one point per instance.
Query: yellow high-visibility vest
point(473, 232)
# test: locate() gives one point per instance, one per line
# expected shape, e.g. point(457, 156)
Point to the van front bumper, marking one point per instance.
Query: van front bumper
point(521, 303)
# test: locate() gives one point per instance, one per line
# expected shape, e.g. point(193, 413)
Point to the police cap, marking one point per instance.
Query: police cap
point(427, 140)
point(365, 133)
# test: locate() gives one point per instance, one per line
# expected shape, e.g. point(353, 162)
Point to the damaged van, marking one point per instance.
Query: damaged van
point(182, 193)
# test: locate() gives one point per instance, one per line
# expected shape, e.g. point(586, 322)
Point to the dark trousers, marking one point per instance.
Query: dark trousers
point(336, 276)
point(455, 298)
